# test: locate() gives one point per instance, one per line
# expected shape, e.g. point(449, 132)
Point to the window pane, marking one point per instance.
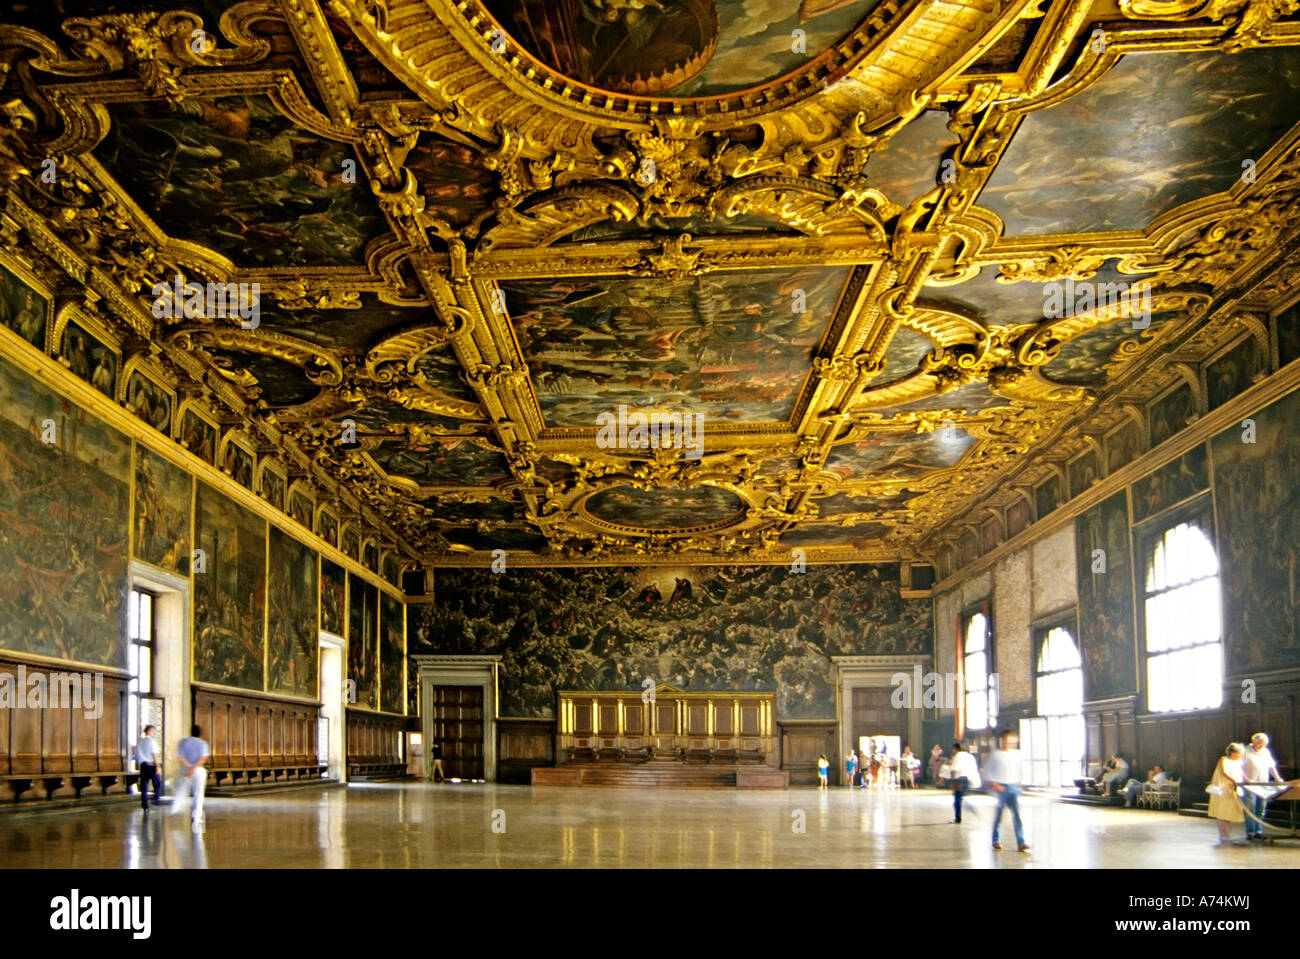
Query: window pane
point(1183, 624)
point(146, 668)
point(1209, 667)
point(146, 616)
point(133, 615)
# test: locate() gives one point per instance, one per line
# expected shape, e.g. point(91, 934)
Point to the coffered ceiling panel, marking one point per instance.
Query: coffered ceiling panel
point(731, 346)
point(235, 175)
point(1157, 131)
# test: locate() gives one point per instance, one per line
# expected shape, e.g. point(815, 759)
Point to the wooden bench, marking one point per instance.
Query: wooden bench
point(51, 782)
point(237, 776)
point(382, 770)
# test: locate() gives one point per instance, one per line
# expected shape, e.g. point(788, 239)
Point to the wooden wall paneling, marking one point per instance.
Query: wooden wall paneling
point(113, 753)
point(697, 719)
point(801, 745)
point(56, 740)
point(221, 723)
point(85, 739)
point(275, 741)
point(263, 741)
point(26, 739)
point(634, 717)
point(523, 745)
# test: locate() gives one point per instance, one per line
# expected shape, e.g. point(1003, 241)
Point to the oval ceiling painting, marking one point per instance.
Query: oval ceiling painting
point(664, 509)
point(678, 48)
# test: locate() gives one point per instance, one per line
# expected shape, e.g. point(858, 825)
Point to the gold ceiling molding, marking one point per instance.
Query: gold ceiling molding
point(796, 162)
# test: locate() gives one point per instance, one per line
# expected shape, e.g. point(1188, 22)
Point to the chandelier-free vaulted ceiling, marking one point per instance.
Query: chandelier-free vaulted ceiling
point(830, 229)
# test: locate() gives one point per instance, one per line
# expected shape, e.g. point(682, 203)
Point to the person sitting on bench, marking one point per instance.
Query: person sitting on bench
point(1116, 771)
point(1155, 776)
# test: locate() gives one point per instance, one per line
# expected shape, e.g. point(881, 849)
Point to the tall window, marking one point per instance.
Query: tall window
point(1184, 641)
point(1055, 739)
point(981, 692)
point(143, 708)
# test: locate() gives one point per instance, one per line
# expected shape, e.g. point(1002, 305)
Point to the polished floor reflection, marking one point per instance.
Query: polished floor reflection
point(418, 825)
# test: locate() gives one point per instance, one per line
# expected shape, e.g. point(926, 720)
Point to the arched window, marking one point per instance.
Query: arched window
point(981, 689)
point(1184, 639)
point(1055, 740)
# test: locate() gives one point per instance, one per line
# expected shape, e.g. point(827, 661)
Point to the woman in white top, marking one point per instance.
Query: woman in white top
point(1224, 806)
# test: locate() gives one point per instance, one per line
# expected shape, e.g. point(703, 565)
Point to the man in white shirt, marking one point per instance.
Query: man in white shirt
point(1003, 774)
point(964, 774)
point(147, 755)
point(1258, 766)
point(1155, 776)
point(193, 778)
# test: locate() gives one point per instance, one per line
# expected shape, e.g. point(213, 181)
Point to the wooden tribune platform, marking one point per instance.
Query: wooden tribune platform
point(671, 774)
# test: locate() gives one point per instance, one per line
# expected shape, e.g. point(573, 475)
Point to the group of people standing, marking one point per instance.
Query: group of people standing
point(872, 768)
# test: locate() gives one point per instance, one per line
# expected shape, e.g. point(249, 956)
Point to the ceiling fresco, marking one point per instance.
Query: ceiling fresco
point(686, 48)
point(659, 281)
point(734, 346)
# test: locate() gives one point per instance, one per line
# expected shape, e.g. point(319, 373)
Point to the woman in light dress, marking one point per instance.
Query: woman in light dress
point(1224, 806)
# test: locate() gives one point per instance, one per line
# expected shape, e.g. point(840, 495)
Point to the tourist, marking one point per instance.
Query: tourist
point(437, 773)
point(149, 758)
point(1155, 776)
point(1258, 766)
point(850, 766)
point(911, 766)
point(963, 775)
point(823, 771)
point(1116, 771)
point(1224, 805)
point(937, 762)
point(193, 778)
point(1003, 773)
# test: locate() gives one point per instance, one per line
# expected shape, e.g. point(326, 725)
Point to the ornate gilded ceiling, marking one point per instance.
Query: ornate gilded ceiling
point(920, 272)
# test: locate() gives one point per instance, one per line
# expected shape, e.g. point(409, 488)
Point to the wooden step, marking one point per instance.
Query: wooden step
point(641, 775)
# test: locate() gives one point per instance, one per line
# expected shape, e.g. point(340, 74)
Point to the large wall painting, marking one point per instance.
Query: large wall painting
point(1258, 504)
point(392, 660)
point(333, 597)
point(705, 628)
point(64, 515)
point(292, 634)
point(363, 642)
point(163, 494)
point(229, 595)
point(1105, 576)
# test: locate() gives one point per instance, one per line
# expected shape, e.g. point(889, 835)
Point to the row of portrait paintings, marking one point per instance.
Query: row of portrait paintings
point(25, 309)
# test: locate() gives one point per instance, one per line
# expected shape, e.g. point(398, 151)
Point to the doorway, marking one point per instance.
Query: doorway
point(456, 714)
point(331, 743)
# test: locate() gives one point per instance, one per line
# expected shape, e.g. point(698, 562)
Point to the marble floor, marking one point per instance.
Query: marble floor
point(403, 825)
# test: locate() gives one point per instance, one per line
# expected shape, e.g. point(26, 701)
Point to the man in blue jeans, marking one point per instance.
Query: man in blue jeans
point(1003, 774)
